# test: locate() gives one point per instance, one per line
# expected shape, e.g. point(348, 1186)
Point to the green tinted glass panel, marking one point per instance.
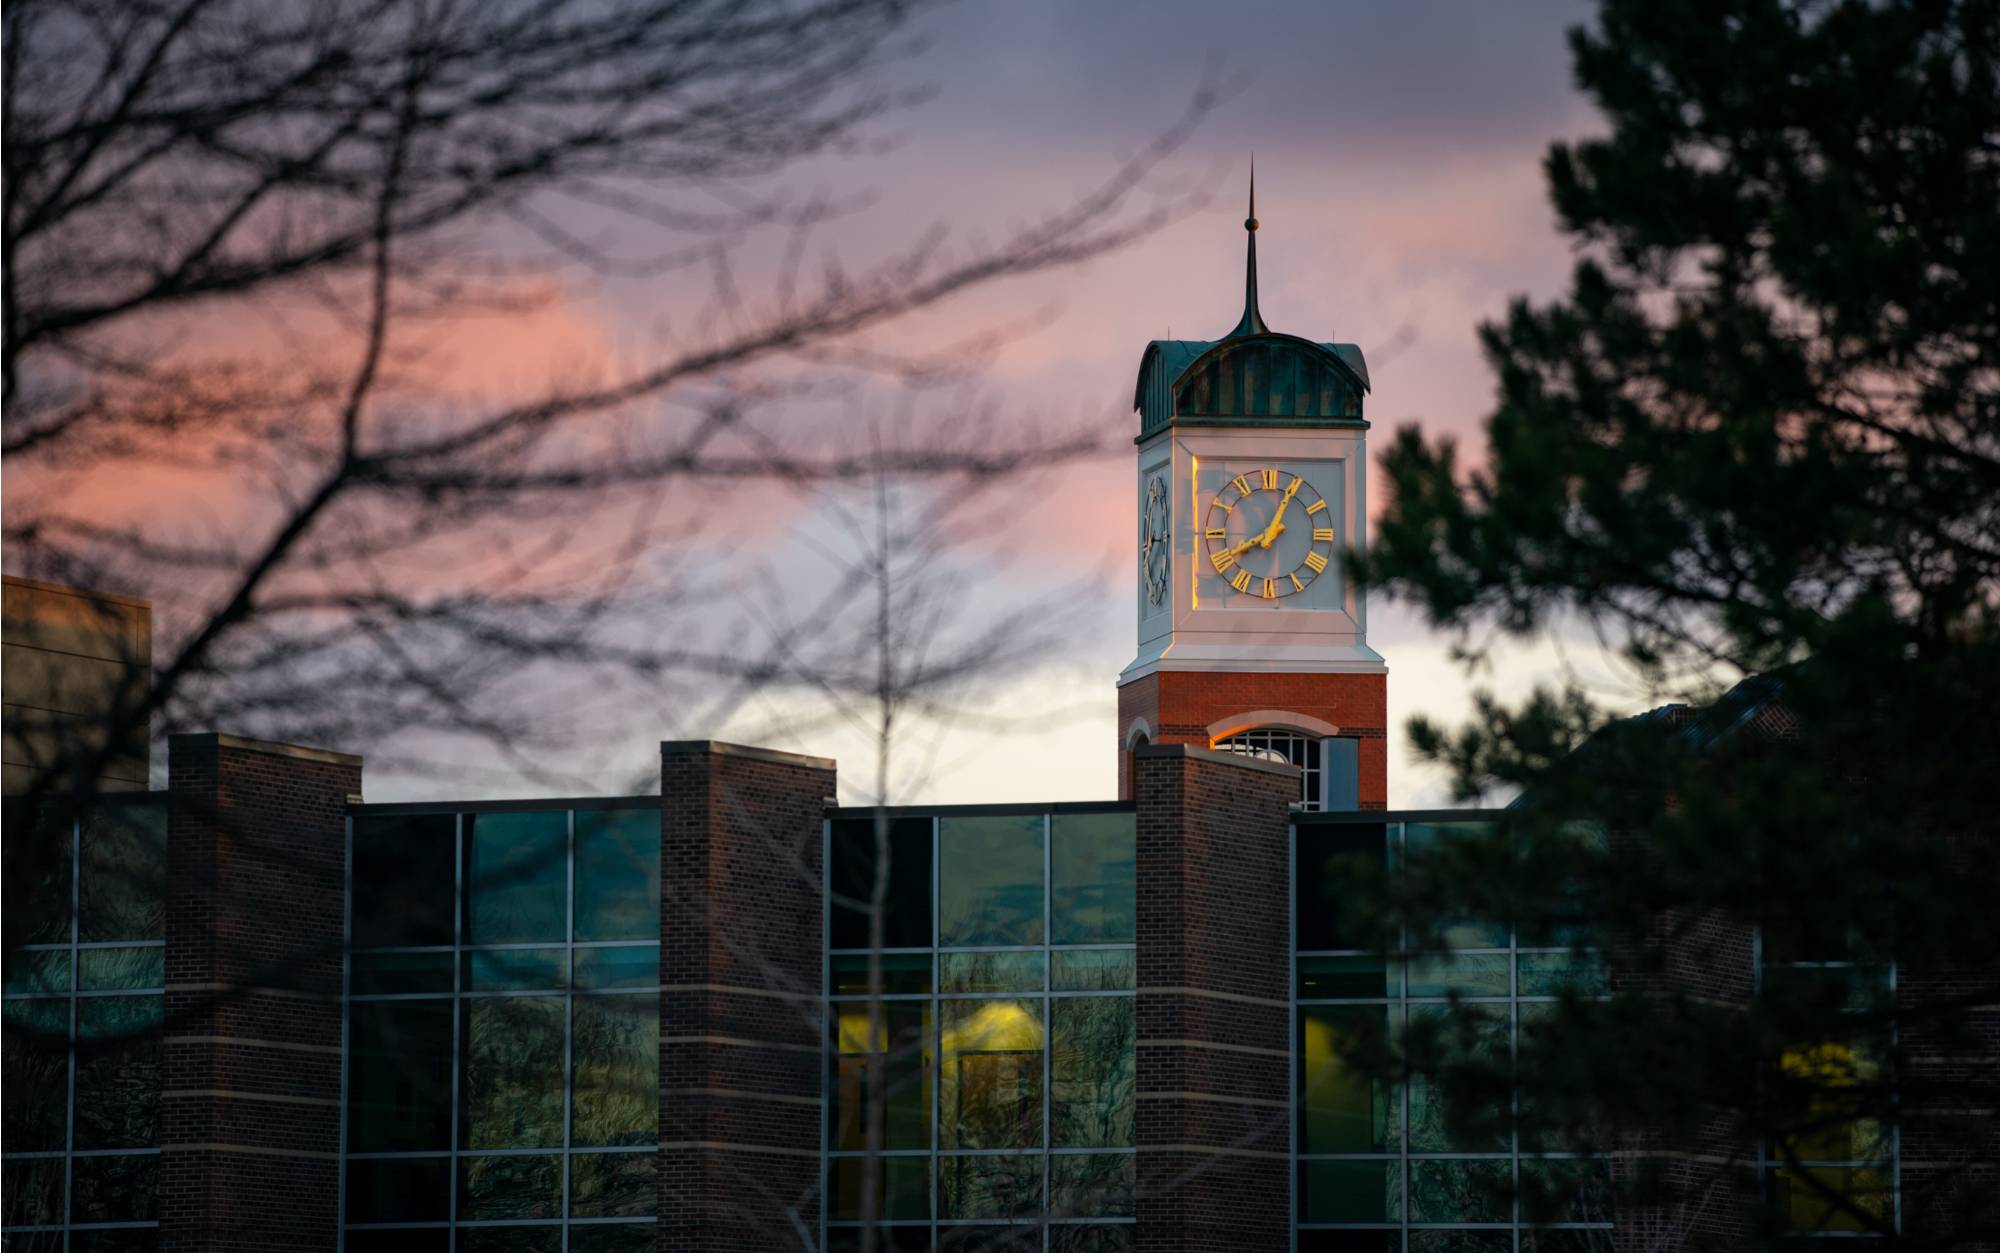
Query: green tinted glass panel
point(1465, 1240)
point(118, 1071)
point(618, 874)
point(516, 969)
point(519, 1185)
point(902, 1188)
point(403, 877)
point(906, 911)
point(398, 1189)
point(1093, 869)
point(516, 877)
point(990, 1081)
point(40, 970)
point(1342, 1109)
point(1464, 1033)
point(121, 969)
point(1565, 1190)
point(37, 864)
point(1094, 1185)
point(510, 1090)
point(990, 972)
point(990, 880)
point(611, 1185)
point(993, 1186)
point(1093, 970)
point(634, 967)
point(1549, 974)
point(384, 973)
point(1362, 976)
point(1327, 859)
point(1419, 839)
point(1093, 1071)
point(399, 1076)
point(122, 894)
point(1351, 1192)
point(1467, 1190)
point(34, 1190)
point(902, 1052)
point(902, 973)
point(613, 1238)
point(34, 1074)
point(114, 1189)
point(617, 1076)
point(1462, 974)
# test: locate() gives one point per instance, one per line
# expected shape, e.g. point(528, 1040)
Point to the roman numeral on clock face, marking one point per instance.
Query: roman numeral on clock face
point(1242, 580)
point(1270, 480)
point(1222, 561)
point(1316, 506)
point(1216, 532)
point(1317, 562)
point(1241, 484)
point(1323, 533)
point(1270, 590)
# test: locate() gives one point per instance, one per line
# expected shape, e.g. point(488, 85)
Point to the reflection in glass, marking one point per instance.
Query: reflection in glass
point(1093, 862)
point(634, 966)
point(122, 894)
point(1476, 1034)
point(519, 1185)
point(121, 969)
point(1343, 1110)
point(989, 1186)
point(403, 879)
point(902, 1188)
point(40, 970)
point(33, 1188)
point(516, 969)
point(34, 1074)
point(1549, 974)
point(1420, 838)
point(516, 875)
point(509, 1240)
point(617, 1088)
point(1084, 1238)
point(1094, 970)
point(1358, 976)
point(611, 1185)
point(1799, 1200)
point(902, 973)
point(114, 1189)
point(613, 1238)
point(1350, 1191)
point(990, 880)
point(902, 1047)
point(1466, 1190)
point(1462, 1240)
point(1462, 974)
point(399, 1076)
point(118, 1071)
point(1565, 1190)
point(1094, 1185)
point(1325, 857)
point(372, 974)
point(37, 872)
point(618, 874)
point(510, 1087)
point(1093, 1071)
point(990, 972)
point(398, 1189)
point(990, 1093)
point(906, 912)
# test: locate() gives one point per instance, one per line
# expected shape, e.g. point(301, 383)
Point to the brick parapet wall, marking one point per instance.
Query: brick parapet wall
point(250, 1102)
point(1214, 1060)
point(1181, 705)
point(741, 1034)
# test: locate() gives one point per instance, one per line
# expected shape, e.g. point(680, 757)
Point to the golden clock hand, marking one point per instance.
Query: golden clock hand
point(1278, 518)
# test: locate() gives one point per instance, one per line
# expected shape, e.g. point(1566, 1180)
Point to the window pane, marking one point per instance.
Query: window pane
point(1094, 1185)
point(34, 1075)
point(634, 967)
point(991, 1093)
point(399, 1076)
point(618, 874)
point(511, 1089)
point(906, 914)
point(516, 969)
point(1418, 839)
point(115, 1240)
point(37, 868)
point(419, 1240)
point(1547, 974)
point(1431, 1129)
point(989, 1187)
point(1019, 1238)
point(901, 973)
point(1094, 970)
point(1322, 886)
point(114, 1189)
point(989, 881)
point(525, 1185)
point(123, 892)
point(1342, 757)
point(1449, 1241)
point(403, 879)
point(1570, 1240)
point(1083, 1238)
point(1799, 1201)
point(1093, 1071)
point(121, 969)
point(118, 1071)
point(507, 1240)
point(42, 970)
point(611, 1185)
point(990, 972)
point(1093, 860)
point(1467, 974)
point(1343, 1110)
point(613, 1238)
point(1565, 1190)
point(398, 1190)
point(617, 1082)
point(1350, 1192)
point(1363, 976)
point(1467, 1191)
point(382, 973)
point(516, 876)
point(902, 1188)
point(903, 1047)
point(33, 1188)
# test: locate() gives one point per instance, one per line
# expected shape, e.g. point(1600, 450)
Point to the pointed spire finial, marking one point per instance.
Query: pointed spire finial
point(1253, 320)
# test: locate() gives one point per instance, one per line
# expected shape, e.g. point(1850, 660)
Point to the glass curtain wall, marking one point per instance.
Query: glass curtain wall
point(85, 994)
point(988, 1096)
point(502, 1030)
point(1378, 1169)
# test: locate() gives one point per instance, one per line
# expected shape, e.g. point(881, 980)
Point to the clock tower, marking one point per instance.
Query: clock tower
point(1252, 462)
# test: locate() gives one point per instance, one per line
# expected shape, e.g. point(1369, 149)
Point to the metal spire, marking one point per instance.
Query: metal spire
point(1253, 319)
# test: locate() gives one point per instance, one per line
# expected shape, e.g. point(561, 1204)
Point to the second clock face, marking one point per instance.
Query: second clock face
point(1268, 533)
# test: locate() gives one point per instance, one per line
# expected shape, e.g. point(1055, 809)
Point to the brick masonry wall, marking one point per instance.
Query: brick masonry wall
point(741, 1034)
point(1180, 706)
point(250, 1107)
point(1214, 1064)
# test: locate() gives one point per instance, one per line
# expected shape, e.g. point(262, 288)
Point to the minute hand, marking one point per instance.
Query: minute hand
point(1278, 519)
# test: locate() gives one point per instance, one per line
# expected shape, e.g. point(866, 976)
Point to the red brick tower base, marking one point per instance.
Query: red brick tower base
point(1199, 707)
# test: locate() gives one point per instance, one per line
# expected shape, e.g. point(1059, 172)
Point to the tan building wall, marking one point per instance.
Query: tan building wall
point(69, 657)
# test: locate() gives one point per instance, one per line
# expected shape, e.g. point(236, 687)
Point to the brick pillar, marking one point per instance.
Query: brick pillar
point(741, 1033)
point(1214, 1014)
point(250, 1107)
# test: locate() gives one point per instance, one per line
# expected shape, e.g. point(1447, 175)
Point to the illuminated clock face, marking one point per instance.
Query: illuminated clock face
point(1268, 533)
point(1156, 541)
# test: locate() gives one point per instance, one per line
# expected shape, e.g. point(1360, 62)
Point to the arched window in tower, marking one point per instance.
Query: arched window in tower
point(1331, 766)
